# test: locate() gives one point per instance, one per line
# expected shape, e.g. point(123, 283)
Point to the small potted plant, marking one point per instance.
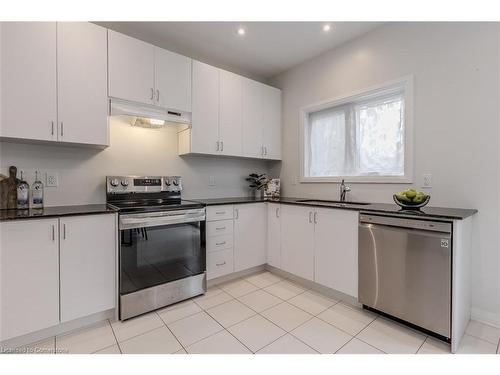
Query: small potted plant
point(258, 183)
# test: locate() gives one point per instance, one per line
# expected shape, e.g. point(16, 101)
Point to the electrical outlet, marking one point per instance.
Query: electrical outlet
point(51, 179)
point(427, 180)
point(211, 181)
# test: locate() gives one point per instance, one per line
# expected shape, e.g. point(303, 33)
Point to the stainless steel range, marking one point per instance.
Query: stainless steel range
point(162, 257)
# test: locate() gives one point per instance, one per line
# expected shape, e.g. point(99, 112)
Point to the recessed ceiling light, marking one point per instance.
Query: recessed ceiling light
point(326, 28)
point(241, 31)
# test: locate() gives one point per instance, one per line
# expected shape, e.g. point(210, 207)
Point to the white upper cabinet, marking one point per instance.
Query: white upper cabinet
point(172, 80)
point(29, 276)
point(250, 228)
point(131, 68)
point(54, 82)
point(230, 114)
point(274, 235)
point(28, 80)
point(82, 83)
point(271, 122)
point(336, 249)
point(87, 271)
point(261, 107)
point(297, 240)
point(205, 110)
point(252, 116)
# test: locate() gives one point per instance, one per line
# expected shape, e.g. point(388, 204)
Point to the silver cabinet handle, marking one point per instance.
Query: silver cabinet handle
point(52, 128)
point(220, 228)
point(237, 214)
point(265, 151)
point(222, 145)
point(217, 145)
point(64, 231)
point(220, 243)
point(220, 264)
point(53, 232)
point(152, 93)
point(277, 212)
point(62, 129)
point(310, 217)
point(220, 212)
point(157, 95)
point(315, 218)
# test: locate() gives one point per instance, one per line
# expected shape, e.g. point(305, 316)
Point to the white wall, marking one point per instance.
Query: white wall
point(456, 90)
point(133, 150)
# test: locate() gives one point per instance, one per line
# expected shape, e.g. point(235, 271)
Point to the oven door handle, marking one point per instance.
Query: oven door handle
point(154, 221)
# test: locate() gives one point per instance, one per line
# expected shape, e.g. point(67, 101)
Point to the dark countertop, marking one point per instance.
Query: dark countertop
point(428, 212)
point(55, 211)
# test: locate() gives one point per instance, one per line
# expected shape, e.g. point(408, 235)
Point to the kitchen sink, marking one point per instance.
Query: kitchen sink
point(333, 203)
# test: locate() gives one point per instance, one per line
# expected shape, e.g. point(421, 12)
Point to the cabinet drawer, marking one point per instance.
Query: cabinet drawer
point(219, 228)
point(223, 212)
point(219, 263)
point(219, 242)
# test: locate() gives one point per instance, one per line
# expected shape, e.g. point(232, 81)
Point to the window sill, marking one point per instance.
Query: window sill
point(359, 179)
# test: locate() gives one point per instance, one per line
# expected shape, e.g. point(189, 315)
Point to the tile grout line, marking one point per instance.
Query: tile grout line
point(116, 339)
point(173, 334)
point(423, 342)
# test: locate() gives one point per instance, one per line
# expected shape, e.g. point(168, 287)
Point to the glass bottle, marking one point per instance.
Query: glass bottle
point(23, 194)
point(37, 193)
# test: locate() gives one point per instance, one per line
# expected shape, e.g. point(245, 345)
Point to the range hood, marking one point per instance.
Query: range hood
point(148, 115)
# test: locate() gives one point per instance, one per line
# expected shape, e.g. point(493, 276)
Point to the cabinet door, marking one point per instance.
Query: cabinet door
point(29, 272)
point(250, 227)
point(252, 119)
point(297, 241)
point(230, 114)
point(131, 68)
point(82, 72)
point(273, 235)
point(272, 122)
point(28, 80)
point(205, 111)
point(87, 256)
point(173, 80)
point(336, 250)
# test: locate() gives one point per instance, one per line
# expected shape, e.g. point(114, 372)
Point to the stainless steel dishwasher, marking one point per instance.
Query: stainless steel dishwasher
point(405, 270)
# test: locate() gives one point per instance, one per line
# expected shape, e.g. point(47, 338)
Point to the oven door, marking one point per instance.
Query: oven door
point(161, 247)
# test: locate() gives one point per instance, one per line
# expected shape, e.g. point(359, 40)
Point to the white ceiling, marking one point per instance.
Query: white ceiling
point(266, 49)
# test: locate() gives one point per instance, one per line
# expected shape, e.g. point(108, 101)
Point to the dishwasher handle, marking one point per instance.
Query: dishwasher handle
point(400, 222)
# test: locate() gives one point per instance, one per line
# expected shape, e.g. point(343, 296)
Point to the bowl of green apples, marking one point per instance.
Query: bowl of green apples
point(411, 199)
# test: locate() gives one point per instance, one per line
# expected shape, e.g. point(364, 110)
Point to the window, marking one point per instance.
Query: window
point(362, 138)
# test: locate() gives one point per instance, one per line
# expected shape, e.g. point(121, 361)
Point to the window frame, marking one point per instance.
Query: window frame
point(386, 88)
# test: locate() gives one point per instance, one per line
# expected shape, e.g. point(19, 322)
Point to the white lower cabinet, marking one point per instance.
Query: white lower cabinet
point(55, 270)
point(87, 263)
point(297, 240)
point(274, 235)
point(250, 228)
point(219, 263)
point(29, 271)
point(336, 249)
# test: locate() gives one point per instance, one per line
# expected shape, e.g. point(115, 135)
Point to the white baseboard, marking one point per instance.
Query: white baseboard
point(486, 317)
point(58, 329)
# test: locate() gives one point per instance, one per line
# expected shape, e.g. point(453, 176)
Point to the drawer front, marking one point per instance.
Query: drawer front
point(219, 243)
point(219, 263)
point(223, 212)
point(219, 228)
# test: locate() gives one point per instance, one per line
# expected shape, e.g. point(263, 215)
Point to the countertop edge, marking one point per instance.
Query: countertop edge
point(376, 208)
point(55, 211)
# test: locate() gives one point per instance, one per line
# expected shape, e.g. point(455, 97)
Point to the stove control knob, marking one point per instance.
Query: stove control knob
point(124, 183)
point(114, 182)
point(176, 183)
point(167, 182)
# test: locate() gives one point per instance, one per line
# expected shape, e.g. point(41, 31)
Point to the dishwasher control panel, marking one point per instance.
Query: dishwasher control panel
point(435, 226)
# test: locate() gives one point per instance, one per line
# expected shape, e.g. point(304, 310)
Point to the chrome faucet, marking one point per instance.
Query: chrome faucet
point(343, 190)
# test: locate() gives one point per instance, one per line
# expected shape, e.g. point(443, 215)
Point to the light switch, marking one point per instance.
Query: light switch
point(211, 181)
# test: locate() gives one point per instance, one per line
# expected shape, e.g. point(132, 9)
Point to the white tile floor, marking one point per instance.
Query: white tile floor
point(262, 313)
